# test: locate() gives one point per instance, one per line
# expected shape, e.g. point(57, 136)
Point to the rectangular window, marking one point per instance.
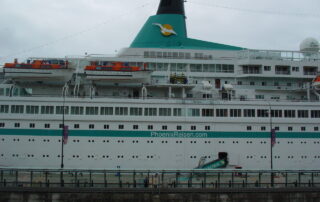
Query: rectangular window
point(249, 113)
point(221, 112)
point(106, 127)
point(207, 128)
point(164, 127)
point(179, 127)
point(267, 68)
point(150, 127)
point(4, 109)
point(121, 111)
point(263, 113)
point(77, 110)
point(177, 112)
point(135, 111)
point(150, 111)
point(315, 113)
point(235, 112)
point(59, 109)
point(47, 109)
point(92, 110)
point(76, 126)
point(303, 114)
point(193, 112)
point(32, 109)
point(193, 127)
point(106, 111)
point(121, 127)
point(259, 97)
point(135, 127)
point(207, 112)
point(276, 113)
point(289, 113)
point(17, 109)
point(164, 112)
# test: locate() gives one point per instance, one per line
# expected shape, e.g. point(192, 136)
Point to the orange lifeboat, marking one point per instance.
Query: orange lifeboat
point(38, 64)
point(116, 66)
point(316, 81)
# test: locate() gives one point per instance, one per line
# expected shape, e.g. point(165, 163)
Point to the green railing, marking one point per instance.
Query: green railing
point(225, 179)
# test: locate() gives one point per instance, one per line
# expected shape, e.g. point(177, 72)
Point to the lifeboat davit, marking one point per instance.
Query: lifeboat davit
point(316, 82)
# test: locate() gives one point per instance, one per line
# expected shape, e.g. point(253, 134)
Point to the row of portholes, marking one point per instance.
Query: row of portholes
point(178, 142)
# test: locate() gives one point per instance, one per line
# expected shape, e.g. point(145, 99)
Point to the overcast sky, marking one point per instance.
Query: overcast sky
point(56, 28)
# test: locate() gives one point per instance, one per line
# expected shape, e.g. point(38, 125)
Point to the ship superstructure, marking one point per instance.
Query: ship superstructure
point(166, 102)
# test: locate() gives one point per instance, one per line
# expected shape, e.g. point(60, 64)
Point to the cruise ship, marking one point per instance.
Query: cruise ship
point(166, 102)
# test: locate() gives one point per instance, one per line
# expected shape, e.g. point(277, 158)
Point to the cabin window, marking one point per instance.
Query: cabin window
point(32, 125)
point(150, 127)
point(164, 112)
point(76, 126)
point(289, 113)
point(150, 111)
point(249, 113)
point(91, 126)
point(77, 110)
point(193, 127)
point(121, 127)
point(207, 112)
point(47, 109)
point(59, 109)
point(303, 128)
point(316, 128)
point(276, 113)
point(267, 68)
point(92, 110)
point(121, 111)
point(207, 128)
point(315, 113)
point(17, 125)
point(303, 114)
point(263, 128)
point(235, 112)
point(135, 111)
point(193, 112)
point(290, 128)
point(106, 127)
point(177, 112)
point(2, 125)
point(164, 127)
point(259, 97)
point(106, 111)
point(263, 113)
point(32, 109)
point(179, 127)
point(4, 109)
point(221, 112)
point(249, 128)
point(135, 127)
point(47, 125)
point(17, 109)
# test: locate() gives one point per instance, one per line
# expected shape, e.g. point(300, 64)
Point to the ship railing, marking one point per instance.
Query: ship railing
point(211, 100)
point(279, 55)
point(157, 179)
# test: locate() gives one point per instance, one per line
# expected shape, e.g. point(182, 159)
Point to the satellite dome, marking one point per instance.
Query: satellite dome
point(310, 45)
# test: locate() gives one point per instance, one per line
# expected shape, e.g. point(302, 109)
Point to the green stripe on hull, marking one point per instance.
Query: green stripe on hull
point(156, 134)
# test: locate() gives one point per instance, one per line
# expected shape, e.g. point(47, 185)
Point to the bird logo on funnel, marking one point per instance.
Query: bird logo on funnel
point(166, 29)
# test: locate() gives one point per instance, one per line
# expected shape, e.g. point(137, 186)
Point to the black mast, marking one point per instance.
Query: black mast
point(171, 7)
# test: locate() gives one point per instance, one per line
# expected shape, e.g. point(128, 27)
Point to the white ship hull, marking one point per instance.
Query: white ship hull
point(143, 148)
